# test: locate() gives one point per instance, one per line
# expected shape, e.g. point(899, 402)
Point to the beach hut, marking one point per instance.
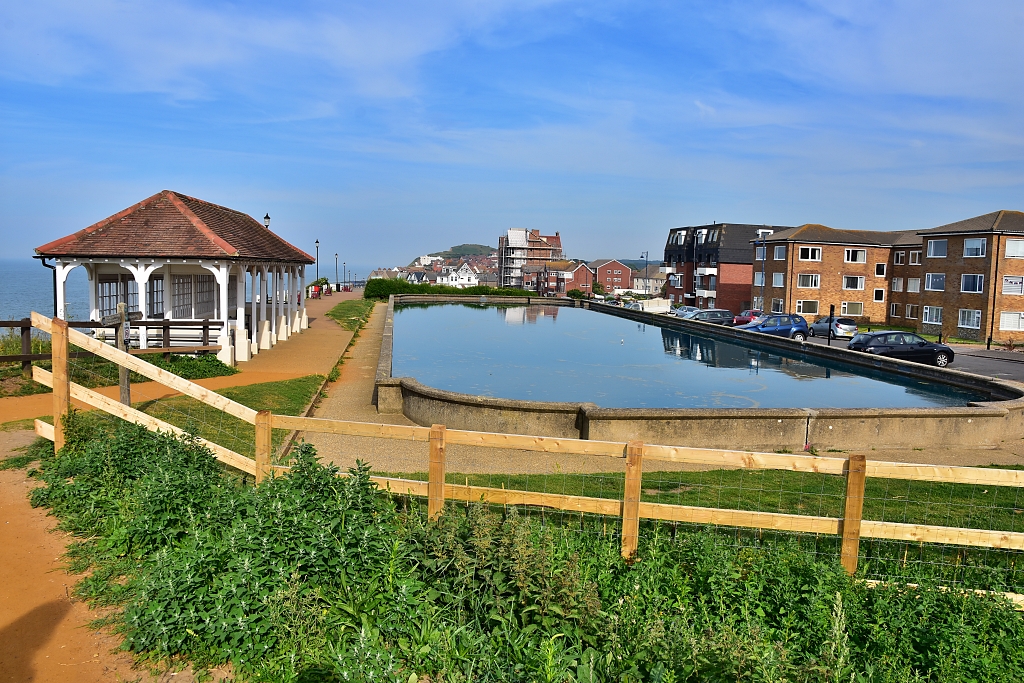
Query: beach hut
point(172, 257)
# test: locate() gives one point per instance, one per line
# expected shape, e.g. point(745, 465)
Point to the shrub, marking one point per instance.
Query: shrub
point(379, 288)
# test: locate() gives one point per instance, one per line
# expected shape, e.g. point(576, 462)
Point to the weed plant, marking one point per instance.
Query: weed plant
point(317, 577)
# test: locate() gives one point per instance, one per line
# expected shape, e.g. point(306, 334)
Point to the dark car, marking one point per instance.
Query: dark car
point(902, 345)
point(791, 326)
point(841, 327)
point(746, 316)
point(718, 316)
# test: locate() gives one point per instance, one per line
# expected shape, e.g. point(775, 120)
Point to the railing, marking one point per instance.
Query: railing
point(631, 509)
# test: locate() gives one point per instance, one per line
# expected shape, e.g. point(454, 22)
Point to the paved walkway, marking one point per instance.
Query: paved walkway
point(313, 352)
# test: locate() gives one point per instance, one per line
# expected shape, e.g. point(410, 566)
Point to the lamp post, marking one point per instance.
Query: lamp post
point(318, 259)
point(646, 255)
point(337, 284)
point(266, 221)
point(764, 261)
point(344, 273)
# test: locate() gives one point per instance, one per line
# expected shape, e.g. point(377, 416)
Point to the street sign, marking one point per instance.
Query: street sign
point(115, 319)
point(127, 333)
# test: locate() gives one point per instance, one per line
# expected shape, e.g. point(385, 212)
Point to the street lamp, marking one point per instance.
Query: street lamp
point(318, 259)
point(266, 221)
point(344, 273)
point(337, 284)
point(646, 255)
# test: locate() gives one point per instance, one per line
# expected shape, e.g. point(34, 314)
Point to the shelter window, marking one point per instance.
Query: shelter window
point(182, 292)
point(155, 297)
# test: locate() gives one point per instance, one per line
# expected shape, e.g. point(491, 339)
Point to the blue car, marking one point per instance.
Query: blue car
point(790, 326)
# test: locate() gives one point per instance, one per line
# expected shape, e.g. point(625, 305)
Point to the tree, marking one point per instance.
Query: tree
point(575, 294)
point(598, 288)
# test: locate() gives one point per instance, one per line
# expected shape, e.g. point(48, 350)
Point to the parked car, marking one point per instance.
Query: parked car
point(746, 316)
point(718, 316)
point(902, 345)
point(682, 311)
point(841, 327)
point(791, 326)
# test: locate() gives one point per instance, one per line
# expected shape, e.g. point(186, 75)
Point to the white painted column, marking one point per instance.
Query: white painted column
point(282, 306)
point(94, 306)
point(302, 279)
point(264, 324)
point(296, 298)
point(274, 284)
point(254, 342)
point(62, 277)
point(141, 274)
point(241, 331)
point(220, 274)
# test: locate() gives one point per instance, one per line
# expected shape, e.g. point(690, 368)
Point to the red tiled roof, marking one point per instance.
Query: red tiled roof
point(173, 225)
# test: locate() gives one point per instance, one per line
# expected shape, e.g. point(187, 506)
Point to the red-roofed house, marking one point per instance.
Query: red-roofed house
point(175, 257)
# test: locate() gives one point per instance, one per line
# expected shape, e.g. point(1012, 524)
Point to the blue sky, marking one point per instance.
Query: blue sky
point(387, 129)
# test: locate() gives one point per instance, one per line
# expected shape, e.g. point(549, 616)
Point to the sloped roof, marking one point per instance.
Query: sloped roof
point(173, 225)
point(594, 265)
point(997, 221)
point(814, 232)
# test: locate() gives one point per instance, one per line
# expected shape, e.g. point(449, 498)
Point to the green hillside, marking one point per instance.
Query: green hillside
point(465, 250)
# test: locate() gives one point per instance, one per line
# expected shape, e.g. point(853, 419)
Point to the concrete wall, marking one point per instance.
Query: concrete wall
point(984, 424)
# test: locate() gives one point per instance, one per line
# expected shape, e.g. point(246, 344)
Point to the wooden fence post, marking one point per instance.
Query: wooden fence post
point(631, 499)
point(122, 344)
point(264, 441)
point(61, 380)
point(855, 474)
point(26, 347)
point(435, 478)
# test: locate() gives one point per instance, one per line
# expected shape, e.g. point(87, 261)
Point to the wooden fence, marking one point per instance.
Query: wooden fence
point(631, 509)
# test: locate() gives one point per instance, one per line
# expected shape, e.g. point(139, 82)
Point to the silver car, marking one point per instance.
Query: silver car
point(684, 311)
point(841, 327)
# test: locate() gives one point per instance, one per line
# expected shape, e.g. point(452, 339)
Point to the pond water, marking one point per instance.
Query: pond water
point(549, 353)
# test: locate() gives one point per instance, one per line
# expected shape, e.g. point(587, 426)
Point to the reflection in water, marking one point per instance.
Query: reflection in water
point(518, 315)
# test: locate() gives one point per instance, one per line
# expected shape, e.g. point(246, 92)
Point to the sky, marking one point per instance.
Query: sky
point(391, 129)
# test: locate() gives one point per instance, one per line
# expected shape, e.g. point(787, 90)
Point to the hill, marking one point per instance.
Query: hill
point(465, 250)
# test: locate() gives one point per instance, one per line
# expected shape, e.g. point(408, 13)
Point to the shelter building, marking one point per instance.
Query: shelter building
point(175, 257)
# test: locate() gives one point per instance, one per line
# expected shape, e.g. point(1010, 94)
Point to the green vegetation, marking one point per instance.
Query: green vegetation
point(352, 314)
point(460, 250)
point(576, 294)
point(314, 577)
point(598, 288)
point(380, 288)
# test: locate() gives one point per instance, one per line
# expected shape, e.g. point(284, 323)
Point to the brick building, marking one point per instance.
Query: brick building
point(805, 270)
point(612, 274)
point(711, 266)
point(519, 248)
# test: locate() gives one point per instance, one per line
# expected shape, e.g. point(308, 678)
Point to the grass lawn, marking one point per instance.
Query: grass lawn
point(352, 314)
point(929, 337)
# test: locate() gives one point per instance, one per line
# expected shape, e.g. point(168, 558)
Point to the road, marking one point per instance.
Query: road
point(998, 364)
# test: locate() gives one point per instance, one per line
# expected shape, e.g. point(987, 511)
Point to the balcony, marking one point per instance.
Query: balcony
point(707, 293)
point(669, 270)
point(707, 270)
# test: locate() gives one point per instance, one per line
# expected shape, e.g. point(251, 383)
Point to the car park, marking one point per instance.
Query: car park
point(902, 345)
point(841, 327)
point(779, 325)
point(717, 316)
point(746, 316)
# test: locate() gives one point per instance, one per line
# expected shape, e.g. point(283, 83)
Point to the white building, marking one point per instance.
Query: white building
point(461, 277)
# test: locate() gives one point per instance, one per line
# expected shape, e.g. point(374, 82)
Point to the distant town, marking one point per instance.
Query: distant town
point(963, 280)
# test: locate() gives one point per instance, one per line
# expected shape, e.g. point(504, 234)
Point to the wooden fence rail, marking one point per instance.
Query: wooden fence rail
point(630, 509)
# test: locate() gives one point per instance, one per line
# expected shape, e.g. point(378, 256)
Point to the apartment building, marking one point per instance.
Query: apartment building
point(711, 266)
point(971, 276)
point(520, 247)
point(612, 274)
point(807, 269)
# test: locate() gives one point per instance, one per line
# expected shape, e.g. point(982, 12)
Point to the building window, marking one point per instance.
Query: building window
point(913, 284)
point(879, 270)
point(1013, 284)
point(758, 279)
point(780, 252)
point(936, 248)
point(808, 280)
point(852, 308)
point(758, 303)
point(810, 253)
point(155, 294)
point(778, 305)
point(856, 256)
point(107, 295)
point(1014, 248)
point(618, 272)
point(894, 310)
point(899, 258)
point(759, 253)
point(897, 284)
point(972, 284)
point(915, 258)
point(974, 247)
point(1011, 321)
point(206, 296)
point(912, 310)
point(879, 295)
point(853, 282)
point(932, 315)
point(181, 291)
point(969, 319)
point(935, 282)
point(778, 279)
point(807, 307)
